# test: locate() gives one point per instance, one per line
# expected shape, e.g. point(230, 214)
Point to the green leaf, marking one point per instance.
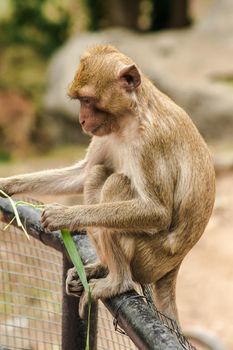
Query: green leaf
point(76, 260)
point(75, 257)
point(14, 207)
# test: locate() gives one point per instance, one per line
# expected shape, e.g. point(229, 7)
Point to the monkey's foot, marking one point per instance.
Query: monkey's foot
point(73, 284)
point(104, 288)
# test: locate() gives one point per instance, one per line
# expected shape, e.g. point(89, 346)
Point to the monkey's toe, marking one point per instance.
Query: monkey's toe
point(83, 304)
point(74, 286)
point(74, 289)
point(108, 287)
point(72, 273)
point(95, 270)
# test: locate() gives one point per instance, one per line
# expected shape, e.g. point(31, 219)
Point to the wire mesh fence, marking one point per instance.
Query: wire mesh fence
point(30, 298)
point(31, 301)
point(30, 293)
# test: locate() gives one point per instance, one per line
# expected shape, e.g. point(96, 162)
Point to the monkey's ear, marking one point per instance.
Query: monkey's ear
point(130, 77)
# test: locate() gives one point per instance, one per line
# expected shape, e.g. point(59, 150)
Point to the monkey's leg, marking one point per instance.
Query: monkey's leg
point(114, 248)
point(165, 294)
point(92, 194)
point(92, 190)
point(119, 278)
point(94, 183)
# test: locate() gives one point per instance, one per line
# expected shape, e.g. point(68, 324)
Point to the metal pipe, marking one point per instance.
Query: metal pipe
point(74, 329)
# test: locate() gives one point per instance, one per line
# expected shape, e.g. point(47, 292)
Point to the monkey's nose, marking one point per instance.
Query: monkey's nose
point(83, 122)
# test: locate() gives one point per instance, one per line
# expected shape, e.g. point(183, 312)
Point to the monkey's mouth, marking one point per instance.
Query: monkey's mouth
point(93, 131)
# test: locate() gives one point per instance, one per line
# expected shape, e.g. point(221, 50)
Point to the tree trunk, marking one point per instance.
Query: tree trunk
point(122, 13)
point(170, 14)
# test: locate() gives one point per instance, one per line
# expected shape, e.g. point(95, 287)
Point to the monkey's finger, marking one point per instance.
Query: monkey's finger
point(74, 293)
point(49, 225)
point(50, 217)
point(6, 190)
point(75, 284)
point(44, 222)
point(51, 209)
point(74, 287)
point(44, 215)
point(47, 211)
point(71, 273)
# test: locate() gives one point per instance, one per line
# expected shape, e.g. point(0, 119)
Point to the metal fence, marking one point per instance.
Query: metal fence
point(34, 314)
point(37, 314)
point(30, 293)
point(30, 298)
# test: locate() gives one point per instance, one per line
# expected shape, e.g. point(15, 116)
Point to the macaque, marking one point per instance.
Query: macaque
point(147, 178)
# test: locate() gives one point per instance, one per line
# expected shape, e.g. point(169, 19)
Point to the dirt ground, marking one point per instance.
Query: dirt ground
point(205, 282)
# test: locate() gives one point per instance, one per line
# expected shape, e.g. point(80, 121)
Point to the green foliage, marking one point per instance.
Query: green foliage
point(40, 24)
point(96, 13)
point(23, 71)
point(4, 156)
point(76, 260)
point(161, 14)
point(227, 79)
point(169, 14)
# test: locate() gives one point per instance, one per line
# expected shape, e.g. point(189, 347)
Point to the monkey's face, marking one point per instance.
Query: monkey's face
point(94, 119)
point(104, 115)
point(104, 86)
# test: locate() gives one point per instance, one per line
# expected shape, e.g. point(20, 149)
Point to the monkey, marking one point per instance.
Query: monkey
point(147, 178)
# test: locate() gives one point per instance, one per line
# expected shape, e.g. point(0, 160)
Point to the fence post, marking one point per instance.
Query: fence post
point(74, 328)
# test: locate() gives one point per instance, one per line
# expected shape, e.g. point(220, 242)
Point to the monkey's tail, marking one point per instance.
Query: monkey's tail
point(149, 293)
point(171, 324)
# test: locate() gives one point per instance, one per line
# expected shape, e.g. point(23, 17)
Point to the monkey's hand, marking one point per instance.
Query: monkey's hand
point(57, 216)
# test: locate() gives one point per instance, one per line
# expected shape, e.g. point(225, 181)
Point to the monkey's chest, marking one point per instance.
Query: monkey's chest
point(124, 160)
point(122, 164)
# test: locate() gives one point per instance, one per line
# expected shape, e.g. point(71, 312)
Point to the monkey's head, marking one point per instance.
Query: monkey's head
point(106, 84)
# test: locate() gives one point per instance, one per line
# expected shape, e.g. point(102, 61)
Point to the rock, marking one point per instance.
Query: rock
point(223, 163)
point(219, 20)
point(16, 122)
point(191, 66)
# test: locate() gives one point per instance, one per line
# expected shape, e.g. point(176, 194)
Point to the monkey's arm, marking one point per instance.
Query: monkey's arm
point(67, 180)
point(131, 214)
point(54, 181)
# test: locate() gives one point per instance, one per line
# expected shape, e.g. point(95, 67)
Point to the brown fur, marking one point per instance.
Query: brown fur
point(148, 180)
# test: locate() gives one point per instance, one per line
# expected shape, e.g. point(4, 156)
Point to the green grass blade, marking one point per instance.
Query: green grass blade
point(75, 257)
point(76, 260)
point(88, 321)
point(19, 223)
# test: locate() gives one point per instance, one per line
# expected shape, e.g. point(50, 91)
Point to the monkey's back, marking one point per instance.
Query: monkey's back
point(194, 191)
point(193, 199)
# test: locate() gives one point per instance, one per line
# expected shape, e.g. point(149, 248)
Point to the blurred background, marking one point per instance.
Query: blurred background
point(186, 48)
